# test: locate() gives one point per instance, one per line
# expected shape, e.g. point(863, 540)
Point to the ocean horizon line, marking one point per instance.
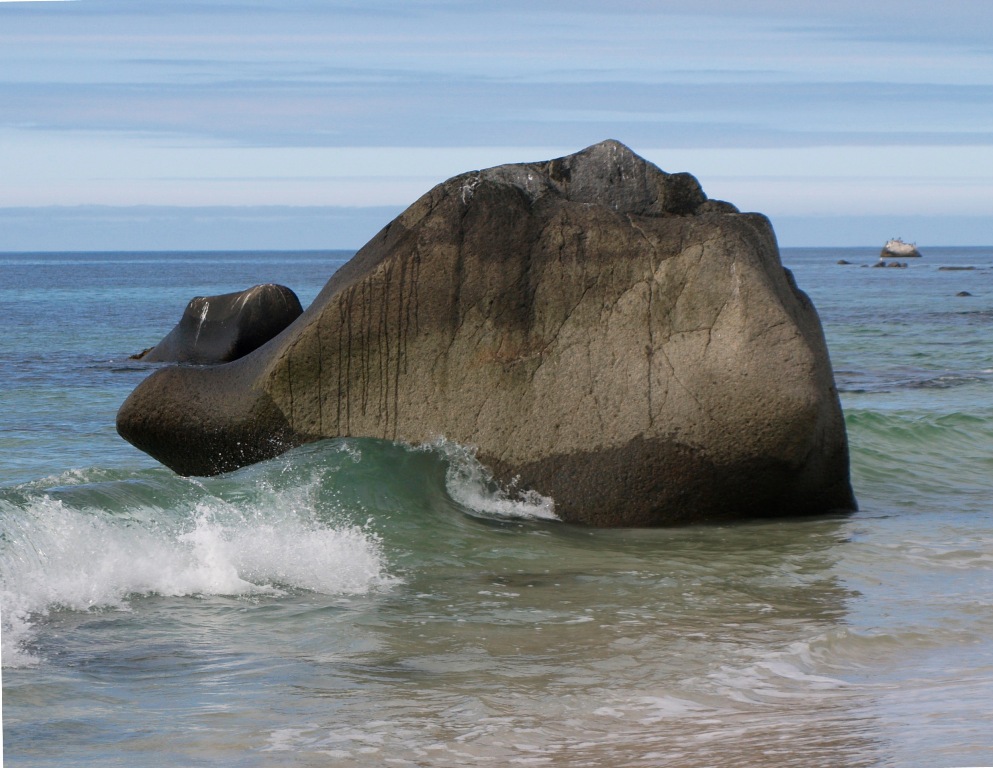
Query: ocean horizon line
point(344, 249)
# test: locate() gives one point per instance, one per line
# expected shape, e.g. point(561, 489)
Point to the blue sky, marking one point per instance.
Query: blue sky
point(311, 123)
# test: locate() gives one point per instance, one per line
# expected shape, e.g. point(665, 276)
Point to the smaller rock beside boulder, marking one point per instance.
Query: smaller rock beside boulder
point(219, 329)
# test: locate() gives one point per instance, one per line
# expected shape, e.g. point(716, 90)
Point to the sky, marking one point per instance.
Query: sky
point(227, 124)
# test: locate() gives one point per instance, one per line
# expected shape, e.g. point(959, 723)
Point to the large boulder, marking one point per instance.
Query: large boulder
point(219, 329)
point(601, 332)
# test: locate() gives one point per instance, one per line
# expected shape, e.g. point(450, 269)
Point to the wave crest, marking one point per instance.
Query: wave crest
point(57, 556)
point(471, 485)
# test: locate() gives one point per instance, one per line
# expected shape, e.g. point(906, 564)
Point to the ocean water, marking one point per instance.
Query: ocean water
point(358, 603)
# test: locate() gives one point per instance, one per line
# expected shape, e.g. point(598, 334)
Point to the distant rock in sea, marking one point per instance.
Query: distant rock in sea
point(600, 331)
point(219, 329)
point(897, 249)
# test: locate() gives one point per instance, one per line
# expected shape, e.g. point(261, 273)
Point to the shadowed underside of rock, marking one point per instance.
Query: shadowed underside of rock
point(596, 327)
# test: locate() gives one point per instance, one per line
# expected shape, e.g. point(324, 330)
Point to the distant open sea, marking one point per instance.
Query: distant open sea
point(356, 603)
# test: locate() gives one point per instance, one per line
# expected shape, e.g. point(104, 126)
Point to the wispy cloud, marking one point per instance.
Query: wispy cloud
point(97, 97)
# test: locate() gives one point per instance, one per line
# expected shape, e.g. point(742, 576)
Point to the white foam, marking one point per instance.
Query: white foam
point(777, 676)
point(290, 551)
point(57, 557)
point(470, 484)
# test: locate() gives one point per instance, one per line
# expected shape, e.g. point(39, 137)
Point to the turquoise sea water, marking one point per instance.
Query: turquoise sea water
point(358, 603)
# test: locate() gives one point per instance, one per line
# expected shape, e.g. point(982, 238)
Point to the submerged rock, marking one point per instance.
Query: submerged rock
point(219, 329)
point(597, 328)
